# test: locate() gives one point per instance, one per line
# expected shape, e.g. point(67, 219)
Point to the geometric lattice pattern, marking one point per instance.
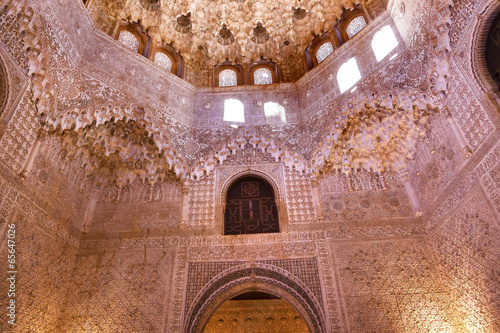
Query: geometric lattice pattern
point(250, 208)
point(467, 246)
point(324, 51)
point(17, 141)
point(129, 40)
point(393, 286)
point(163, 60)
point(380, 268)
point(118, 293)
point(300, 198)
point(227, 78)
point(306, 269)
point(249, 189)
point(44, 266)
point(355, 26)
point(200, 273)
point(262, 76)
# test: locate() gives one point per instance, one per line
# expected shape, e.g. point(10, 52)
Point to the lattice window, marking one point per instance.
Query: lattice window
point(163, 60)
point(228, 78)
point(262, 76)
point(355, 26)
point(129, 40)
point(324, 51)
point(250, 208)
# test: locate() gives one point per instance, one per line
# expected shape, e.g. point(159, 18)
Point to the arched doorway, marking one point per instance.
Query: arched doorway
point(250, 207)
point(256, 312)
point(254, 277)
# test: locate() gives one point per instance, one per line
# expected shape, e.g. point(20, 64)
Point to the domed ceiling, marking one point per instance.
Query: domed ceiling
point(207, 32)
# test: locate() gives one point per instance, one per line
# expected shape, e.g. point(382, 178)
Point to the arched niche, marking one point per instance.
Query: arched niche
point(278, 195)
point(174, 56)
point(228, 65)
point(347, 17)
point(483, 27)
point(263, 63)
point(258, 277)
point(316, 43)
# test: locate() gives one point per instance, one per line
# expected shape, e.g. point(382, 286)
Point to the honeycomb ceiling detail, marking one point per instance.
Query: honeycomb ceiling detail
point(209, 32)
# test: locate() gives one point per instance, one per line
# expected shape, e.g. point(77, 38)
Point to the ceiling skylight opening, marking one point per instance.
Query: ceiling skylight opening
point(384, 42)
point(348, 75)
point(234, 111)
point(274, 112)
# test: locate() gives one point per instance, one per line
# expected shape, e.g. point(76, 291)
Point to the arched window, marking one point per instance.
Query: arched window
point(129, 40)
point(348, 75)
point(250, 208)
point(262, 76)
point(163, 60)
point(234, 111)
point(384, 42)
point(355, 26)
point(324, 51)
point(274, 112)
point(228, 78)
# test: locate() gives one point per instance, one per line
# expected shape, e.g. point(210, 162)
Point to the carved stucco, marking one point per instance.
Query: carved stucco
point(381, 265)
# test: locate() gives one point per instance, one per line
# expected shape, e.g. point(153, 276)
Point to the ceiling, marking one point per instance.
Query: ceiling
point(207, 32)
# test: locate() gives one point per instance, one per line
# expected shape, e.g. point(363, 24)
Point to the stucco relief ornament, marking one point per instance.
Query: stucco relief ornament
point(183, 23)
point(78, 30)
point(376, 133)
point(260, 34)
point(401, 10)
point(191, 147)
point(151, 5)
point(157, 86)
point(299, 13)
point(101, 54)
point(304, 140)
point(225, 36)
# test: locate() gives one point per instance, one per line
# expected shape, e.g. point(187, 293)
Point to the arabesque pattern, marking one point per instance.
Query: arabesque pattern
point(114, 171)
